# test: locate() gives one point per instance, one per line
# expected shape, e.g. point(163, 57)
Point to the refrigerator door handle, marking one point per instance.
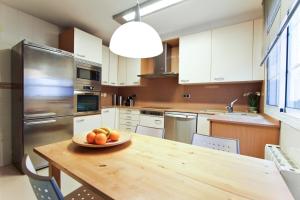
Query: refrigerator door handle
point(40, 122)
point(40, 115)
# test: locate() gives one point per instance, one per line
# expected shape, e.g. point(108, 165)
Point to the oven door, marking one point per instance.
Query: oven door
point(87, 102)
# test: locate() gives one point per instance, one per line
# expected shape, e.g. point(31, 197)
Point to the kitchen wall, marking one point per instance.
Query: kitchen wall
point(167, 92)
point(14, 27)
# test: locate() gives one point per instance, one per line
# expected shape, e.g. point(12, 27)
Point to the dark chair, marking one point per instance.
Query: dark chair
point(46, 188)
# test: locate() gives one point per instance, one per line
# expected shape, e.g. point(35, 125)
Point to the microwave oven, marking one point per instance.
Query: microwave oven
point(87, 75)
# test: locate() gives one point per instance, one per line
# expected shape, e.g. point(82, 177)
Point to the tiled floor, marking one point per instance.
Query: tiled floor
point(15, 186)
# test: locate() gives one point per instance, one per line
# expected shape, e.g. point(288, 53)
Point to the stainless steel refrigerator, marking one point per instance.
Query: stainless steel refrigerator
point(42, 99)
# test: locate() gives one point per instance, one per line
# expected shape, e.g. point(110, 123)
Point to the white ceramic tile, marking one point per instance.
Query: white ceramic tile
point(13, 185)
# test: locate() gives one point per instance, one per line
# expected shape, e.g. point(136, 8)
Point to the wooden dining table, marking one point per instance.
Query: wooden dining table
point(154, 168)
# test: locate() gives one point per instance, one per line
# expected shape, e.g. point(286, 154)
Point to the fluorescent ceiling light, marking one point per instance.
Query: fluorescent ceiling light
point(151, 8)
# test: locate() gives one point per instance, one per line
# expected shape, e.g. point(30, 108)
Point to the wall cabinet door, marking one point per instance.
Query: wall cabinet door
point(85, 124)
point(105, 65)
point(122, 69)
point(232, 53)
point(132, 72)
point(87, 46)
point(258, 71)
point(195, 58)
point(113, 69)
point(109, 117)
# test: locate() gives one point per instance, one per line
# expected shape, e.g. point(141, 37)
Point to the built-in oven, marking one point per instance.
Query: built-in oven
point(87, 102)
point(88, 75)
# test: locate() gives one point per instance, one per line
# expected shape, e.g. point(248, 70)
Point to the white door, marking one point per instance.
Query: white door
point(195, 58)
point(258, 71)
point(87, 46)
point(105, 65)
point(133, 70)
point(85, 124)
point(122, 69)
point(232, 53)
point(113, 69)
point(108, 117)
point(203, 125)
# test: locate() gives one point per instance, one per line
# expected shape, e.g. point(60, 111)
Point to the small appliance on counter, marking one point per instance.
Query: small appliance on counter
point(130, 100)
point(120, 101)
point(114, 99)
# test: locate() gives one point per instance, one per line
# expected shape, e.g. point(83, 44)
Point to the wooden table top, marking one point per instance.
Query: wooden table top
point(153, 168)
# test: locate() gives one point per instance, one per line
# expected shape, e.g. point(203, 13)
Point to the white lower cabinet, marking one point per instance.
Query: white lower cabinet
point(109, 117)
point(203, 125)
point(152, 121)
point(85, 124)
point(128, 119)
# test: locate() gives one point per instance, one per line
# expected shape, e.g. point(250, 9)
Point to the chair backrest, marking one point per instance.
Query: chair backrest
point(44, 187)
point(154, 132)
point(222, 144)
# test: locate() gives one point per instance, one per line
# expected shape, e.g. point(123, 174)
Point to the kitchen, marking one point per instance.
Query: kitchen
point(229, 96)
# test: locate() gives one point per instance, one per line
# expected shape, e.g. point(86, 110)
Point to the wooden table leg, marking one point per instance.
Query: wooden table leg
point(55, 172)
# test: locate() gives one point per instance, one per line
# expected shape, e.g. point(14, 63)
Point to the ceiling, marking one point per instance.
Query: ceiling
point(95, 16)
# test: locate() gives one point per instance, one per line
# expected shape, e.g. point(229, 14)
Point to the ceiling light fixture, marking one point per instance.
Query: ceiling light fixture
point(154, 6)
point(136, 39)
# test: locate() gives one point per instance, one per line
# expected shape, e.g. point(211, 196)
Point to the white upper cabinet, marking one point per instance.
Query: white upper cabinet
point(122, 69)
point(109, 117)
point(258, 71)
point(133, 70)
point(232, 53)
point(195, 58)
point(105, 65)
point(87, 46)
point(113, 69)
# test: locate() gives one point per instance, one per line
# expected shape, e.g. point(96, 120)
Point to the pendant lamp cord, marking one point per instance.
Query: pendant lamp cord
point(137, 12)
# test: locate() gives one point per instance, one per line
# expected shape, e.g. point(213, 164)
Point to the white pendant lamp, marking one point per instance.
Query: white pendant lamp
point(136, 39)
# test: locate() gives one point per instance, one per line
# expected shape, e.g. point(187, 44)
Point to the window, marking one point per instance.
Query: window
point(283, 72)
point(293, 68)
point(273, 65)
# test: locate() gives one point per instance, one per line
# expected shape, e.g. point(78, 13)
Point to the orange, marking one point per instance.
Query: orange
point(100, 138)
point(114, 136)
point(90, 137)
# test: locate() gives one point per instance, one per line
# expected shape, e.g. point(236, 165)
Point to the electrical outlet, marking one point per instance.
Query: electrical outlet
point(187, 96)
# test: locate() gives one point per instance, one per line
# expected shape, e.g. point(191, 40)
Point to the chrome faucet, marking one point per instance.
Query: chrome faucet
point(229, 107)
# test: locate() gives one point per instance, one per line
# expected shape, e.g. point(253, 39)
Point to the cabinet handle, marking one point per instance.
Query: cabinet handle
point(80, 55)
point(128, 123)
point(122, 83)
point(112, 83)
point(136, 82)
point(128, 117)
point(219, 79)
point(158, 121)
point(106, 111)
point(105, 82)
point(80, 120)
point(185, 81)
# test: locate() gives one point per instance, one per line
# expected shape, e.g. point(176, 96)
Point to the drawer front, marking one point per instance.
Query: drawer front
point(127, 128)
point(152, 121)
point(129, 122)
point(129, 117)
point(129, 111)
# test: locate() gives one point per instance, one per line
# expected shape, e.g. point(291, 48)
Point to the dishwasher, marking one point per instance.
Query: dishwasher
point(180, 126)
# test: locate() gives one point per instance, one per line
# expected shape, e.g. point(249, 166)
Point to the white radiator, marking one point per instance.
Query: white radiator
point(289, 171)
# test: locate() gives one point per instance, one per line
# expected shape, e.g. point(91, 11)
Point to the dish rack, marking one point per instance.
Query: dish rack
point(289, 171)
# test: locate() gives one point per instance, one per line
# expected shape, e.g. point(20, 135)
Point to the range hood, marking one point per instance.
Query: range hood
point(162, 65)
